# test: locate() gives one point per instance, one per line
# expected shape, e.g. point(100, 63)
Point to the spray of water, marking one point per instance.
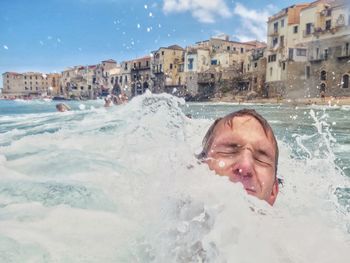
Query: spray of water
point(123, 185)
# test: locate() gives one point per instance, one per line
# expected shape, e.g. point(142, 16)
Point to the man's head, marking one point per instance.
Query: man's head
point(243, 147)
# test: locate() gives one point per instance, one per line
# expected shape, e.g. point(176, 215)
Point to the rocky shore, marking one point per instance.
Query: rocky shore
point(329, 101)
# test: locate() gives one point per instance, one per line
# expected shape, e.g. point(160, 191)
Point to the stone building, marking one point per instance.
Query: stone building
point(88, 81)
point(255, 70)
point(285, 53)
point(79, 82)
point(30, 84)
point(216, 66)
point(125, 77)
point(167, 70)
point(327, 42)
point(307, 50)
point(140, 73)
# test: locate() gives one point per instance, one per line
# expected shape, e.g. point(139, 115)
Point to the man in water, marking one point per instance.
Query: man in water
point(243, 147)
point(62, 107)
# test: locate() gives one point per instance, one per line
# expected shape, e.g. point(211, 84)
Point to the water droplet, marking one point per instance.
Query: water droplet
point(222, 164)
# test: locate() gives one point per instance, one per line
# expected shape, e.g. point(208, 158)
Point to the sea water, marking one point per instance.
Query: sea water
point(122, 184)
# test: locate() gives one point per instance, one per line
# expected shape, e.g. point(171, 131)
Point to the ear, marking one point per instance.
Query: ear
point(274, 192)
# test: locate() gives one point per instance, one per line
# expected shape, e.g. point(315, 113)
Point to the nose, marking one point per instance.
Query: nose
point(244, 165)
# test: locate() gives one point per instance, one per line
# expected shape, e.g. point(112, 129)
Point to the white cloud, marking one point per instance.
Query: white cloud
point(253, 22)
point(205, 11)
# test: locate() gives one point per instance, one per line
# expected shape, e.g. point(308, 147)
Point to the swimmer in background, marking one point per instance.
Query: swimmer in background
point(243, 147)
point(108, 101)
point(61, 107)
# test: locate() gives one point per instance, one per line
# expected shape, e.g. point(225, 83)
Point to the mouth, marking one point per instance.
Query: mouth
point(250, 191)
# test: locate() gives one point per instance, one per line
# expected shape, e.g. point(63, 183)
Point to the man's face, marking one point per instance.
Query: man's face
point(245, 154)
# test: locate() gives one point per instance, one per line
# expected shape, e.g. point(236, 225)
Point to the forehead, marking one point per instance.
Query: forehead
point(244, 129)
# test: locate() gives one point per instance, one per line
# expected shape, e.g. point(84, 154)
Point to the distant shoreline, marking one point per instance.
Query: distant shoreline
point(327, 101)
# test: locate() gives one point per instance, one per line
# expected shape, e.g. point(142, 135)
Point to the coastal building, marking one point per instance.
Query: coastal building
point(327, 41)
point(140, 75)
point(167, 70)
point(307, 50)
point(79, 82)
point(216, 66)
point(285, 53)
point(254, 71)
point(30, 84)
point(88, 81)
point(125, 77)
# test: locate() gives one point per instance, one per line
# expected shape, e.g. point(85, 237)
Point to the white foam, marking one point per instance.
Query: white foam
point(123, 185)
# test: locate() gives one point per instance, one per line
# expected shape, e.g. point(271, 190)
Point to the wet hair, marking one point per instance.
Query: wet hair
point(210, 135)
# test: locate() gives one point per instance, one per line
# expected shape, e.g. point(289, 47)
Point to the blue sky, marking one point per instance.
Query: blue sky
point(50, 35)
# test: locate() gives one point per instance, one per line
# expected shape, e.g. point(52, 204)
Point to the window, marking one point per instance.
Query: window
point(295, 29)
point(301, 52)
point(126, 78)
point(326, 54)
point(283, 65)
point(214, 62)
point(345, 81)
point(255, 80)
point(328, 24)
point(282, 23)
point(112, 80)
point(171, 66)
point(234, 49)
point(255, 64)
point(281, 41)
point(270, 71)
point(162, 52)
point(307, 72)
point(147, 63)
point(274, 41)
point(242, 50)
point(275, 27)
point(323, 75)
point(139, 64)
point(228, 48)
point(308, 28)
point(190, 63)
point(272, 58)
point(134, 65)
point(126, 66)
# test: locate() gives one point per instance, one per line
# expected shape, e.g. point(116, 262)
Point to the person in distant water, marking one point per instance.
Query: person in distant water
point(108, 101)
point(123, 98)
point(62, 107)
point(243, 147)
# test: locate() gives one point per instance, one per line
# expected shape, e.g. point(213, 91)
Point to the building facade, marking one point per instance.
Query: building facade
point(167, 70)
point(30, 84)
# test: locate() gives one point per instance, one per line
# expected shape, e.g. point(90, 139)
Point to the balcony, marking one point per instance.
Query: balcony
point(318, 59)
point(273, 34)
point(344, 55)
point(144, 67)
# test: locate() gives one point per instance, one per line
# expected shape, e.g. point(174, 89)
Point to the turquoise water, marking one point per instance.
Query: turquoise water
point(121, 184)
